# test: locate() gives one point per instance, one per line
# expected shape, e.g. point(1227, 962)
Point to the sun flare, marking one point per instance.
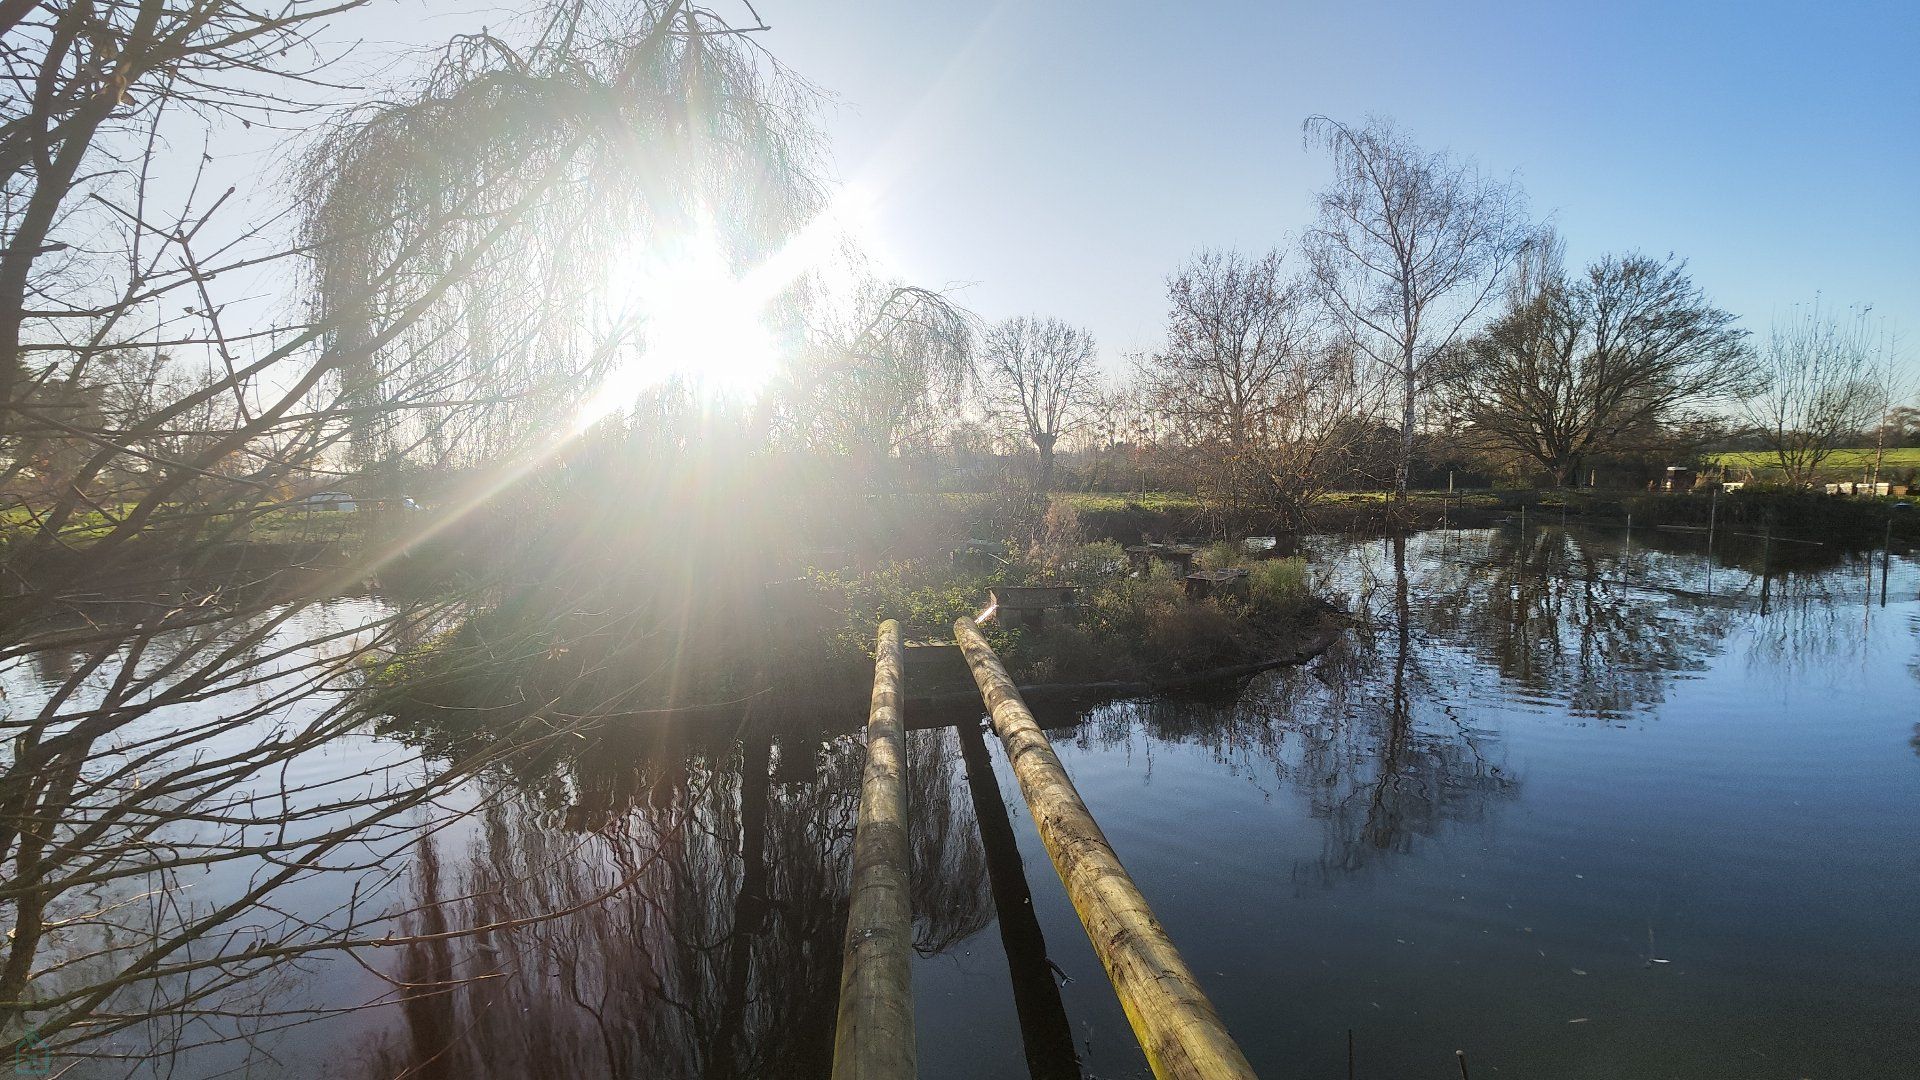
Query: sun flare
point(702, 323)
point(698, 323)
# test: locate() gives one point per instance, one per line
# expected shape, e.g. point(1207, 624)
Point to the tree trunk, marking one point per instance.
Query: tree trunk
point(1406, 440)
point(1044, 443)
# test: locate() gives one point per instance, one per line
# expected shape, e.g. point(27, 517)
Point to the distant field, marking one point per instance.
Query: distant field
point(1842, 465)
point(273, 526)
point(1150, 500)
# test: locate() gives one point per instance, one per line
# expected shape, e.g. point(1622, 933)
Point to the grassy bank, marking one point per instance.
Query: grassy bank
point(1840, 466)
point(1846, 520)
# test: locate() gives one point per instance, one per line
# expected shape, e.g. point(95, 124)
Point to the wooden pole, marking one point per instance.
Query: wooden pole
point(873, 1039)
point(1626, 557)
point(1177, 1027)
point(1886, 562)
point(1766, 567)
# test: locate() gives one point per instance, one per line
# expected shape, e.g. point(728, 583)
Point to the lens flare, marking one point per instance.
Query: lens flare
point(701, 323)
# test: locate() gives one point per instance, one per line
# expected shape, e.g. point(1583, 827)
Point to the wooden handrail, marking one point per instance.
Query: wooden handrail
point(1182, 1035)
point(873, 1039)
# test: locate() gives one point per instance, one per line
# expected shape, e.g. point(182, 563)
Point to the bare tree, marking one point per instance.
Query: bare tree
point(1409, 251)
point(1819, 391)
point(1248, 381)
point(1595, 365)
point(1039, 376)
point(1891, 385)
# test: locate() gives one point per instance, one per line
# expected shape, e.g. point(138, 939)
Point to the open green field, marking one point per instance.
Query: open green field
point(1842, 465)
point(271, 527)
point(1091, 501)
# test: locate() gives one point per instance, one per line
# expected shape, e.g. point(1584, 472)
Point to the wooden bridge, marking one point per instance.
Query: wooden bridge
point(1178, 1028)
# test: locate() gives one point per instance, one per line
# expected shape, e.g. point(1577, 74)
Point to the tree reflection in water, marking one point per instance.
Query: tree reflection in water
point(1379, 733)
point(707, 892)
point(1567, 616)
point(724, 867)
point(1400, 762)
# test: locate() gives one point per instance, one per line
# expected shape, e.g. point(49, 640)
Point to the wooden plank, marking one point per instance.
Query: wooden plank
point(1177, 1026)
point(873, 1039)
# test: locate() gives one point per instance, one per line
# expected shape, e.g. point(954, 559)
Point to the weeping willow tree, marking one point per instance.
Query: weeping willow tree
point(486, 211)
point(453, 238)
point(878, 380)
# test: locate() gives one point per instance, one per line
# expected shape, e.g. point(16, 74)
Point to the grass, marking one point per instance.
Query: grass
point(1278, 585)
point(1096, 501)
point(271, 527)
point(1840, 465)
point(84, 525)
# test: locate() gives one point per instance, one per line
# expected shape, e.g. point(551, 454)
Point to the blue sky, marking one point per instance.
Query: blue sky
point(1062, 158)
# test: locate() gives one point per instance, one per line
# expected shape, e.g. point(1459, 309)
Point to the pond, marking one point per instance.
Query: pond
point(1579, 803)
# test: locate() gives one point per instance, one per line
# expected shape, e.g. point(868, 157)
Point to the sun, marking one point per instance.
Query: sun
point(701, 323)
point(698, 323)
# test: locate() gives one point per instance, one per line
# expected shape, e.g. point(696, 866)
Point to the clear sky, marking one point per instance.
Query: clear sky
point(1063, 157)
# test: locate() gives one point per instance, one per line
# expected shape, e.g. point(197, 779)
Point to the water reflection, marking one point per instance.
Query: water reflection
point(701, 870)
point(706, 899)
point(1567, 617)
point(1046, 1036)
point(1362, 734)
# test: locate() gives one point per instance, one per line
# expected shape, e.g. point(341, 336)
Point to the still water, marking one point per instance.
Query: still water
point(1578, 804)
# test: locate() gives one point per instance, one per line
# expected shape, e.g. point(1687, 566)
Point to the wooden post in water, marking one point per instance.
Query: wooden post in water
point(1886, 562)
point(1766, 567)
point(1626, 556)
point(1177, 1026)
point(873, 1039)
point(1713, 517)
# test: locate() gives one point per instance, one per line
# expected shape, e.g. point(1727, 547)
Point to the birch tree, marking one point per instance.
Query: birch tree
point(1409, 250)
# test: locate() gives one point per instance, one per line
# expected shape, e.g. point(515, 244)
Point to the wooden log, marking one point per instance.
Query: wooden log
point(873, 1039)
point(1177, 1027)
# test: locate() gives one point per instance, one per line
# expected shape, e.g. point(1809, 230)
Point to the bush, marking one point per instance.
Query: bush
point(1278, 585)
point(1221, 555)
point(1053, 538)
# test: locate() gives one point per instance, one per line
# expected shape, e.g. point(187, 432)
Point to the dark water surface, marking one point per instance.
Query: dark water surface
point(1578, 806)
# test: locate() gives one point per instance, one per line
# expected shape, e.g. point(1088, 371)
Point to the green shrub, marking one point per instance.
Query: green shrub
point(1278, 585)
point(1221, 555)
